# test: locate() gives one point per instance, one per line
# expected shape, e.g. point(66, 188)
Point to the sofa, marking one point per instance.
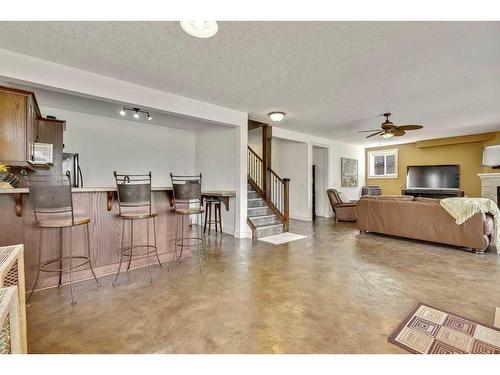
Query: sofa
point(422, 219)
point(344, 209)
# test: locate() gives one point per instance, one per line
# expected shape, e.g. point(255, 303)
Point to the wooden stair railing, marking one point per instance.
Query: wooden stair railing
point(275, 193)
point(256, 168)
point(279, 196)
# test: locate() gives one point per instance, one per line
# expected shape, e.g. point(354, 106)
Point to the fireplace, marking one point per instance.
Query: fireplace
point(490, 186)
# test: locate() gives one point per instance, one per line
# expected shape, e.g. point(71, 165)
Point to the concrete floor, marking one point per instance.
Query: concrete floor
point(333, 292)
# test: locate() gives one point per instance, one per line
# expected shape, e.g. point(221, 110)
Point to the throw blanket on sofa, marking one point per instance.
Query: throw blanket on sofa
point(462, 209)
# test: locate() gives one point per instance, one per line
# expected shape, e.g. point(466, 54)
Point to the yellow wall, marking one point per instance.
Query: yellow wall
point(468, 155)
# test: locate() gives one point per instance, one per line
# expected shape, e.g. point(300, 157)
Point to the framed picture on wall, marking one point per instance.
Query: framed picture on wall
point(349, 172)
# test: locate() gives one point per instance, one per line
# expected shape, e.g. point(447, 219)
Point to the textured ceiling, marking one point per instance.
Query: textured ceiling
point(331, 78)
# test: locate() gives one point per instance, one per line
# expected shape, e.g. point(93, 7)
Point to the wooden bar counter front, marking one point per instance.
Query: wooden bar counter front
point(105, 231)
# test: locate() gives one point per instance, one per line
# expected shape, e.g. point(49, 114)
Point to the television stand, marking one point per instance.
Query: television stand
point(430, 193)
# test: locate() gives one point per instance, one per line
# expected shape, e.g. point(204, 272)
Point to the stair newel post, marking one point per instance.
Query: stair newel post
point(267, 135)
point(286, 205)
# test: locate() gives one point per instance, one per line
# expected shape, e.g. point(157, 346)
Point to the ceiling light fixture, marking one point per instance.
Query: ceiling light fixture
point(137, 112)
point(200, 29)
point(276, 116)
point(387, 135)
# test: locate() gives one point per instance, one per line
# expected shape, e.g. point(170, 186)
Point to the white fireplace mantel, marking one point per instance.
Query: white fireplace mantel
point(489, 184)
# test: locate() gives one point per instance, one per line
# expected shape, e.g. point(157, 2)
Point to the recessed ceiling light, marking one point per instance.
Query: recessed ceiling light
point(276, 116)
point(200, 29)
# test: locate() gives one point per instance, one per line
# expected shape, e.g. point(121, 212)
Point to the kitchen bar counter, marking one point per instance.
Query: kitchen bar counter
point(80, 190)
point(105, 231)
point(19, 192)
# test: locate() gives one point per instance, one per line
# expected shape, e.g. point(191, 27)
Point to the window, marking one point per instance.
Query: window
point(383, 164)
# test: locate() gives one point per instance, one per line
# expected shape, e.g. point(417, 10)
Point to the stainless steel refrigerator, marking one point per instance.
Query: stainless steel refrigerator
point(71, 164)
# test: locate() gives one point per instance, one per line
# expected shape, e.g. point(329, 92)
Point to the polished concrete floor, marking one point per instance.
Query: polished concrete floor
point(333, 292)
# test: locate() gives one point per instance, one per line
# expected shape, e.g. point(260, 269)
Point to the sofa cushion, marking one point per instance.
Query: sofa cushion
point(396, 197)
point(424, 199)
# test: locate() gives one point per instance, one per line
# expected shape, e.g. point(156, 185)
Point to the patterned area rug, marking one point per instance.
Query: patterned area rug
point(428, 330)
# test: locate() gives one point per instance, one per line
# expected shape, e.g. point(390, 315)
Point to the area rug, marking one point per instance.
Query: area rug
point(428, 330)
point(281, 238)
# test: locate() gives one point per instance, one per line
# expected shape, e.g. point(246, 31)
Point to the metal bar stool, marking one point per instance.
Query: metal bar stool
point(53, 206)
point(187, 202)
point(134, 202)
point(217, 220)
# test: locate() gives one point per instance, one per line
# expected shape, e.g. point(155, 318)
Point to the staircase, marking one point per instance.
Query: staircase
point(262, 218)
point(268, 205)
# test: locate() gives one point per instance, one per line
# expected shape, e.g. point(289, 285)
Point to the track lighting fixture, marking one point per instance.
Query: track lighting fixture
point(136, 111)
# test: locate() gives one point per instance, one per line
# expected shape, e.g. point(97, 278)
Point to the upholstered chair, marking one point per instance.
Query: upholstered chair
point(344, 209)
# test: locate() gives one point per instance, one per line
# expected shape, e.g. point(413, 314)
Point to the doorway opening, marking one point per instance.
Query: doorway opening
point(319, 181)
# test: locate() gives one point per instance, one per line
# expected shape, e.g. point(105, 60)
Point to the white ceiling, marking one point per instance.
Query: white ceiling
point(331, 78)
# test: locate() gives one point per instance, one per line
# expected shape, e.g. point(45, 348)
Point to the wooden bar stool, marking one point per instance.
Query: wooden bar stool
point(134, 202)
point(217, 220)
point(187, 202)
point(52, 201)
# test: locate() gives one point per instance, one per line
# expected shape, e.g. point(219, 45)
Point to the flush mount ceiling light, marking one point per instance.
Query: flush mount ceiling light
point(276, 116)
point(200, 29)
point(137, 111)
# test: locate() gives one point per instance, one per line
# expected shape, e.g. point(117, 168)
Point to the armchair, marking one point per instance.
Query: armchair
point(343, 209)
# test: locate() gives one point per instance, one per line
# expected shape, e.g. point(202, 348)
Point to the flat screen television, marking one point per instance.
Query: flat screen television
point(433, 177)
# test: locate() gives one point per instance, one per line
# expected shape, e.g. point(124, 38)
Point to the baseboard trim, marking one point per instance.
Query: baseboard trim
point(302, 218)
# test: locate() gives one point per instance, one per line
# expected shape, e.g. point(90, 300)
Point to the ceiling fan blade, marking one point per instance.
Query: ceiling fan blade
point(366, 131)
point(398, 132)
point(374, 134)
point(410, 127)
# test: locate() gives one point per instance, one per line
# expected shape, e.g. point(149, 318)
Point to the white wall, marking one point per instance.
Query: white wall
point(255, 140)
point(107, 144)
point(336, 150)
point(217, 159)
point(289, 159)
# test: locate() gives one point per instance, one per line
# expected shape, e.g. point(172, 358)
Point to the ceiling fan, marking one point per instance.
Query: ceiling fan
point(390, 130)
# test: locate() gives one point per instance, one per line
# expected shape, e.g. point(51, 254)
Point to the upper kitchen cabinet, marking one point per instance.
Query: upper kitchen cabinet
point(19, 115)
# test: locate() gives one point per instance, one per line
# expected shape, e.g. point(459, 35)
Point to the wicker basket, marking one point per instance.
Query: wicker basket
point(12, 274)
point(10, 329)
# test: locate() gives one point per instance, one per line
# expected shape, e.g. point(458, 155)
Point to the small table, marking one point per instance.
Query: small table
point(222, 195)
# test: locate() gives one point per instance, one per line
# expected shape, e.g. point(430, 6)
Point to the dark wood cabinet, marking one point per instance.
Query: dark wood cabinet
point(19, 114)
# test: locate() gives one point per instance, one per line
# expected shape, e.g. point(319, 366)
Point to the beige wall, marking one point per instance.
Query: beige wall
point(467, 155)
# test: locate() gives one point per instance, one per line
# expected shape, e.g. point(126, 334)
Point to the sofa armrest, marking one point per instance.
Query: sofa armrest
point(347, 204)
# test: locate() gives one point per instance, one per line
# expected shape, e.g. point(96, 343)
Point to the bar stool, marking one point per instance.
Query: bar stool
point(134, 202)
point(215, 203)
point(52, 201)
point(187, 202)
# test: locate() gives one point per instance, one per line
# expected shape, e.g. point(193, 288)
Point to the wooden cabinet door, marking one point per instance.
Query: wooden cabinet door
point(12, 127)
point(31, 129)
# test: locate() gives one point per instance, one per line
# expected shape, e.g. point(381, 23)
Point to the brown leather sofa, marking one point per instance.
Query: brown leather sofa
point(422, 219)
point(344, 210)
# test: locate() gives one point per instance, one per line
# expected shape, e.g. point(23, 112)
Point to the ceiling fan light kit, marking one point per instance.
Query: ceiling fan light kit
point(389, 130)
